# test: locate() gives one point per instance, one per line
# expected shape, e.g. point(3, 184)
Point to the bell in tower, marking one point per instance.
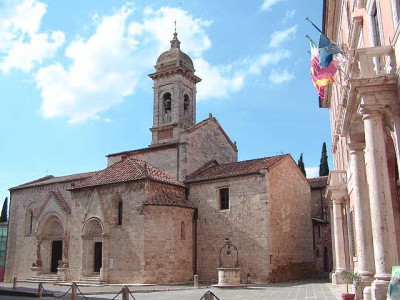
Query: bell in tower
point(174, 94)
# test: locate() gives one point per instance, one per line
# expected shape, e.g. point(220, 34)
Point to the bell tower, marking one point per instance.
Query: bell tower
point(174, 94)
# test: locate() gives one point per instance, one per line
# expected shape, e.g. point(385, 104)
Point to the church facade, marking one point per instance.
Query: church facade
point(162, 213)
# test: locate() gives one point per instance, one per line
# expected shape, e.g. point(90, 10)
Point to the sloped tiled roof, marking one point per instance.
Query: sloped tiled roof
point(168, 199)
point(50, 179)
point(151, 148)
point(213, 170)
point(129, 169)
point(318, 182)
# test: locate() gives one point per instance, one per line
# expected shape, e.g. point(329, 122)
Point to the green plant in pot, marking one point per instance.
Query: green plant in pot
point(349, 277)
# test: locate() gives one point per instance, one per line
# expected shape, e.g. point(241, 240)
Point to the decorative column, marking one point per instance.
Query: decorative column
point(383, 230)
point(340, 257)
point(362, 216)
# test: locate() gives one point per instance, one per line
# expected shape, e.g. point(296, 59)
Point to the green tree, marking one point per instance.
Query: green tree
point(323, 166)
point(300, 163)
point(3, 216)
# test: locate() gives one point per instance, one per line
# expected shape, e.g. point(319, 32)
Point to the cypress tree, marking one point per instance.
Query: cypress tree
point(300, 163)
point(3, 216)
point(323, 166)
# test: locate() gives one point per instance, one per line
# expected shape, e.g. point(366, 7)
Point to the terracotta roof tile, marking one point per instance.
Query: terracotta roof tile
point(145, 150)
point(128, 169)
point(50, 179)
point(169, 199)
point(318, 182)
point(212, 170)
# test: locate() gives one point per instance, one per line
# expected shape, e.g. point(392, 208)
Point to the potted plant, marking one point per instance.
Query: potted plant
point(350, 277)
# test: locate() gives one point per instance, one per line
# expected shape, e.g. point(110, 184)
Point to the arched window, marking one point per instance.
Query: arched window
point(28, 222)
point(186, 102)
point(183, 231)
point(167, 102)
point(120, 212)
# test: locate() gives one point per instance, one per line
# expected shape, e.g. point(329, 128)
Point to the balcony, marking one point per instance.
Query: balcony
point(372, 62)
point(374, 68)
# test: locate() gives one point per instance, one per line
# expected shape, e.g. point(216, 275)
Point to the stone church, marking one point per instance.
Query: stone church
point(161, 214)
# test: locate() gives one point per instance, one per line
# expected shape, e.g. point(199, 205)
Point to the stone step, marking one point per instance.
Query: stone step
point(45, 278)
point(91, 278)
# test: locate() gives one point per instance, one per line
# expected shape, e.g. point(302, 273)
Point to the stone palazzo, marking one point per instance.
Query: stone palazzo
point(364, 109)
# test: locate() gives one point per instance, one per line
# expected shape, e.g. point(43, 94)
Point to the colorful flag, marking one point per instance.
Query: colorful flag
point(326, 50)
point(321, 77)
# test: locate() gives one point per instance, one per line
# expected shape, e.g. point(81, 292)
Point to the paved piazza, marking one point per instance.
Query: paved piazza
point(289, 290)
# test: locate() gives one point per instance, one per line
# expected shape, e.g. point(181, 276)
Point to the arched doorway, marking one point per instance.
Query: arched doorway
point(92, 254)
point(50, 243)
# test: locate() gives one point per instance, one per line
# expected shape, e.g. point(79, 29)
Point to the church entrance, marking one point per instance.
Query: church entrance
point(92, 248)
point(98, 246)
point(56, 255)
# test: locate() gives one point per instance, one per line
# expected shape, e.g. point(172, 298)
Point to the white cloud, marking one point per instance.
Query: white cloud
point(159, 25)
point(289, 15)
point(216, 82)
point(267, 4)
point(107, 66)
point(265, 59)
point(21, 43)
point(102, 69)
point(280, 76)
point(312, 172)
point(102, 72)
point(279, 37)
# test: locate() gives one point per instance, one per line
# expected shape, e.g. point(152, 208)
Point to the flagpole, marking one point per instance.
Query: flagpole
point(319, 30)
point(315, 26)
point(311, 40)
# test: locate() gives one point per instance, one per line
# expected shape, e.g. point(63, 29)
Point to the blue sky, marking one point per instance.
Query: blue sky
point(74, 84)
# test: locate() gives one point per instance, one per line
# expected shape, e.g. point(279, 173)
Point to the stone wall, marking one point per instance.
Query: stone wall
point(244, 224)
point(322, 245)
point(123, 244)
point(165, 159)
point(290, 227)
point(168, 244)
point(206, 143)
point(94, 218)
point(22, 242)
